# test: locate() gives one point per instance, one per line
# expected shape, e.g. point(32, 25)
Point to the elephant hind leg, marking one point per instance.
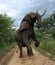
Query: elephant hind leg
point(20, 48)
point(27, 44)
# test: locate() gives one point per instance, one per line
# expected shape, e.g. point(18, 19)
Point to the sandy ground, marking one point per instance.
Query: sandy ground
point(4, 60)
point(37, 59)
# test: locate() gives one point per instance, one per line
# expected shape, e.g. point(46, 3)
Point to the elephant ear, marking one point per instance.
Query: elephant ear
point(32, 15)
point(24, 25)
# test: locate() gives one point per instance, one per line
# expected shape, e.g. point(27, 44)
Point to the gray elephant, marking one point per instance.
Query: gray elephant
point(26, 31)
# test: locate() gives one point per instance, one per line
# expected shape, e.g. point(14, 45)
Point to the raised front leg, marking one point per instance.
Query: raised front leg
point(37, 42)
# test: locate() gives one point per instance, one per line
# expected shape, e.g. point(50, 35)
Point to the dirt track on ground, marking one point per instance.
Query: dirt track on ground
point(37, 59)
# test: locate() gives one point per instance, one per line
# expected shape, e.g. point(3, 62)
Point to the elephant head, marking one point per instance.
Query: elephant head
point(38, 17)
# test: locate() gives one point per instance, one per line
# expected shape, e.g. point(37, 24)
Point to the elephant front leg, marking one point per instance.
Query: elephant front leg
point(37, 42)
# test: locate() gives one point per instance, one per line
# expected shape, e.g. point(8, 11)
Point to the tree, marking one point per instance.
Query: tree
point(49, 22)
point(6, 30)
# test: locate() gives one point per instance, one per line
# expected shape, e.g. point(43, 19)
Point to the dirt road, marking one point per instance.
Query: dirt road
point(37, 59)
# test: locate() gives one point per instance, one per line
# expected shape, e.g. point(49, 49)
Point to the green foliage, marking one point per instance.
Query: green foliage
point(5, 49)
point(39, 33)
point(48, 44)
point(6, 34)
point(6, 30)
point(53, 32)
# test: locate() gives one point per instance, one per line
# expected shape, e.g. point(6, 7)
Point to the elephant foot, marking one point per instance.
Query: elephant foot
point(21, 56)
point(37, 44)
point(31, 54)
point(17, 51)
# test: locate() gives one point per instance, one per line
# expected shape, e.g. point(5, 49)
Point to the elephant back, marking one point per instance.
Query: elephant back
point(24, 25)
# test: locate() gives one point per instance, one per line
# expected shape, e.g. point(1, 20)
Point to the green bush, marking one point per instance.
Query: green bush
point(4, 49)
point(48, 45)
point(53, 32)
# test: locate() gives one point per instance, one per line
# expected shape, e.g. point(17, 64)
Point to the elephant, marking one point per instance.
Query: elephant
point(25, 32)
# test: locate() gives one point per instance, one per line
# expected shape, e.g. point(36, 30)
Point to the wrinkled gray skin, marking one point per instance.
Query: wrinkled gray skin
point(26, 31)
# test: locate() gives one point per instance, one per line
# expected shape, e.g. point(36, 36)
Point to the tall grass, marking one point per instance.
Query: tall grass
point(46, 47)
point(4, 49)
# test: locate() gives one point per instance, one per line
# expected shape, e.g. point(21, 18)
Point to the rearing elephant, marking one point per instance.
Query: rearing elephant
point(26, 31)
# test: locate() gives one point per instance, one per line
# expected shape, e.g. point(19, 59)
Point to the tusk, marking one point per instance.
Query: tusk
point(44, 13)
point(37, 11)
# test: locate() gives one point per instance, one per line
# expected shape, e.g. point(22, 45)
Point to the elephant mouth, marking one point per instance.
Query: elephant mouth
point(39, 26)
